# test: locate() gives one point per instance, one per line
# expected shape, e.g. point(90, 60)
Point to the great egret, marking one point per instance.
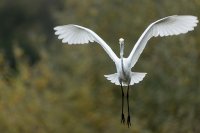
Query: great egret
point(168, 26)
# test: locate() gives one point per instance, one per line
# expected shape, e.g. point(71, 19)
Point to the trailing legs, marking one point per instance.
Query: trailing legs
point(122, 115)
point(128, 118)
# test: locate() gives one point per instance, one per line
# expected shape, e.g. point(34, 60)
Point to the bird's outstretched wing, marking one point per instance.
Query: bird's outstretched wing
point(168, 26)
point(75, 34)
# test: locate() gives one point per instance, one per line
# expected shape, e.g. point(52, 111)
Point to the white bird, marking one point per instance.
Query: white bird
point(168, 26)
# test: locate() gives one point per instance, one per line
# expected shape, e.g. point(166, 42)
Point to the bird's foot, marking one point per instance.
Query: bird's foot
point(129, 121)
point(122, 119)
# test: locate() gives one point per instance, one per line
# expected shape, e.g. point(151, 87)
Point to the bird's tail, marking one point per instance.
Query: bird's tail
point(136, 77)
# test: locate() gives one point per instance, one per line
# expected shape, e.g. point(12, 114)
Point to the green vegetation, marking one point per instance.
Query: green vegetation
point(47, 87)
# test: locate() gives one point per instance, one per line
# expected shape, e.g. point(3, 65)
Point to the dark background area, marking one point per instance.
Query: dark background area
point(48, 87)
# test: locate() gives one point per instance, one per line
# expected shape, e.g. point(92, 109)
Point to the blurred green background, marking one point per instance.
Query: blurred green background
point(47, 87)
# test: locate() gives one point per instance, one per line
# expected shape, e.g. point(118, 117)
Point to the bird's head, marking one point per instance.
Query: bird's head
point(121, 43)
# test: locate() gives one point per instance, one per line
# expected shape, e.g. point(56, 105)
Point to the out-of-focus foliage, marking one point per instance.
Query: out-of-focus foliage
point(46, 87)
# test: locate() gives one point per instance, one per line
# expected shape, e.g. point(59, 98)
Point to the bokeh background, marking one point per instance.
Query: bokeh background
point(48, 87)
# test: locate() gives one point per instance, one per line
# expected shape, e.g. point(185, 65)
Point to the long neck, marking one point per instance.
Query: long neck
point(121, 50)
point(121, 56)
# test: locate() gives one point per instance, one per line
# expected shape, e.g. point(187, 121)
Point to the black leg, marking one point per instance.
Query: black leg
point(122, 115)
point(129, 118)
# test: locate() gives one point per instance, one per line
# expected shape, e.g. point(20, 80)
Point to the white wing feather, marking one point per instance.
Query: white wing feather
point(168, 26)
point(75, 34)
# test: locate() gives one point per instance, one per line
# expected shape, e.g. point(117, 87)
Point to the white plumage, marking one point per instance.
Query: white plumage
point(168, 26)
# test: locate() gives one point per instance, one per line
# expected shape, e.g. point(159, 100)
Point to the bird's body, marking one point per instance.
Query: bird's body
point(123, 74)
point(168, 26)
point(123, 71)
